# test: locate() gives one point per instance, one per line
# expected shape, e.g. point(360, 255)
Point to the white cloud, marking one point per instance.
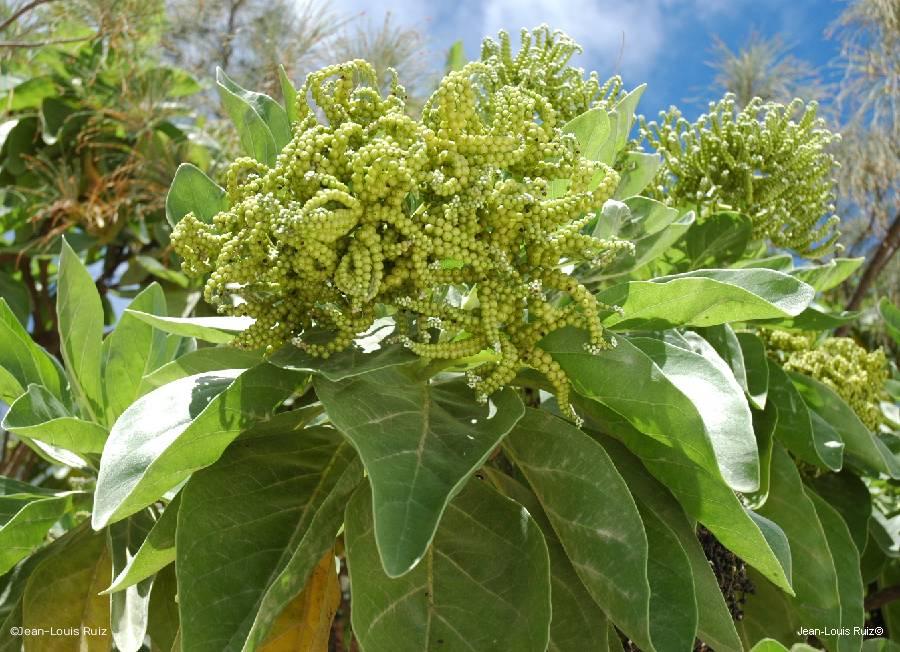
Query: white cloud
point(623, 37)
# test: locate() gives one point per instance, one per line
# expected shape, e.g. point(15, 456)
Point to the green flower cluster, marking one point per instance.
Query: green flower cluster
point(542, 66)
point(758, 161)
point(368, 211)
point(857, 375)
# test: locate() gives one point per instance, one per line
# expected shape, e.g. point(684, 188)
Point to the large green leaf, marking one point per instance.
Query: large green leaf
point(252, 527)
point(22, 362)
point(651, 226)
point(849, 495)
point(272, 113)
point(578, 623)
point(708, 382)
point(624, 112)
point(831, 274)
point(606, 544)
point(673, 604)
point(156, 551)
point(162, 620)
point(726, 346)
point(80, 315)
point(810, 441)
point(38, 414)
point(420, 440)
point(591, 130)
point(194, 192)
point(128, 609)
point(484, 583)
point(861, 447)
point(637, 169)
point(25, 519)
point(814, 319)
point(701, 492)
point(706, 298)
point(815, 579)
point(651, 402)
point(200, 361)
point(718, 241)
point(289, 93)
point(62, 593)
point(756, 366)
point(846, 564)
point(218, 330)
point(256, 136)
point(714, 623)
point(171, 432)
point(132, 351)
point(11, 598)
point(764, 424)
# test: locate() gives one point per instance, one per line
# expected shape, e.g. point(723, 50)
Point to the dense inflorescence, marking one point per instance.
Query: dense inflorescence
point(542, 66)
point(759, 161)
point(451, 223)
point(857, 375)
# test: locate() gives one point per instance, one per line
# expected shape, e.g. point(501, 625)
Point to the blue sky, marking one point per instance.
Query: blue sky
point(666, 43)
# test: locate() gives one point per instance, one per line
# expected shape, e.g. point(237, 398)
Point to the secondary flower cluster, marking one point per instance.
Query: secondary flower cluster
point(542, 66)
point(456, 223)
point(759, 161)
point(857, 375)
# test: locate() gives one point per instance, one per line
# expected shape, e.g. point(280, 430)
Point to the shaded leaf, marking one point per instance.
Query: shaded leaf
point(129, 609)
point(484, 583)
point(25, 519)
point(171, 432)
point(350, 362)
point(253, 526)
point(719, 240)
point(306, 623)
point(845, 556)
point(155, 551)
point(714, 623)
point(606, 544)
point(809, 441)
point(38, 414)
point(814, 578)
point(577, 623)
point(861, 447)
point(62, 593)
point(848, 494)
point(420, 440)
point(162, 621)
point(756, 367)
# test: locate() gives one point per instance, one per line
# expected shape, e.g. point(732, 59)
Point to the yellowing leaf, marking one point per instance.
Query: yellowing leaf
point(306, 622)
